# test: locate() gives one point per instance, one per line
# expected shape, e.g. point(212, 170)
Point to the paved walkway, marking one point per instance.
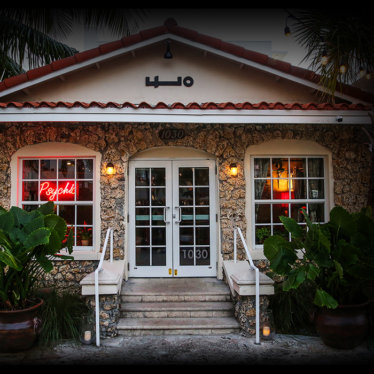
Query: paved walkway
point(231, 349)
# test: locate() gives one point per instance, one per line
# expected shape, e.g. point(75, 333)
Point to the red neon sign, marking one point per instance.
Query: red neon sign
point(49, 191)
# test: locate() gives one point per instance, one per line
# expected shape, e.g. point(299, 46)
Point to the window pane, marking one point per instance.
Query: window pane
point(158, 176)
point(280, 167)
point(187, 216)
point(317, 212)
point(84, 235)
point(66, 169)
point(185, 177)
point(201, 196)
point(142, 196)
point(48, 169)
point(186, 236)
point(202, 216)
point(29, 208)
point(202, 176)
point(85, 169)
point(296, 212)
point(158, 256)
point(185, 196)
point(298, 167)
point(316, 190)
point(262, 167)
point(298, 189)
point(202, 256)
point(262, 232)
point(142, 256)
point(142, 236)
point(158, 217)
point(142, 217)
point(66, 191)
point(262, 213)
point(84, 214)
point(141, 177)
point(279, 210)
point(85, 191)
point(262, 189)
point(67, 212)
point(30, 169)
point(158, 196)
point(202, 235)
point(48, 191)
point(280, 189)
point(186, 256)
point(30, 191)
point(280, 230)
point(159, 236)
point(315, 167)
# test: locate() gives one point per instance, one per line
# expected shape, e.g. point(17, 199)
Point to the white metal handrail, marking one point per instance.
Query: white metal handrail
point(253, 267)
point(99, 268)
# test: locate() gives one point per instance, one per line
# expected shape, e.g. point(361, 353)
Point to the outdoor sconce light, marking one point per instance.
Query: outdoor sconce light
point(234, 169)
point(110, 168)
point(168, 54)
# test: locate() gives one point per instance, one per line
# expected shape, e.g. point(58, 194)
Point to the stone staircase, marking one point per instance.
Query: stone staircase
point(159, 306)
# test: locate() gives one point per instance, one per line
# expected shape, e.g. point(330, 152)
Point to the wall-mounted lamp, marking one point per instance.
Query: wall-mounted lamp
point(110, 168)
point(168, 54)
point(234, 169)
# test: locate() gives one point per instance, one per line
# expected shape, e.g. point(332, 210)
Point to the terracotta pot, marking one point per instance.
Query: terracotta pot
point(344, 327)
point(19, 328)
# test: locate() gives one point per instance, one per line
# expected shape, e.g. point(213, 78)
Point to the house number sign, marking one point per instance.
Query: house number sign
point(171, 134)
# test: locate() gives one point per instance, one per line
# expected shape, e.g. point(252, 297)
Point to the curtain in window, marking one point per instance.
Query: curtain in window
point(261, 171)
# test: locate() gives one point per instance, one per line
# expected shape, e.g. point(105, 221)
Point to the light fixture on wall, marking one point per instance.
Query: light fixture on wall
point(234, 169)
point(110, 168)
point(168, 54)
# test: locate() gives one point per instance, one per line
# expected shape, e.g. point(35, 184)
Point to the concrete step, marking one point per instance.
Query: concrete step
point(177, 326)
point(177, 309)
point(159, 306)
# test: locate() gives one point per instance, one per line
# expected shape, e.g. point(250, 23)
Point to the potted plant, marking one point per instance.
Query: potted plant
point(28, 242)
point(336, 260)
point(85, 234)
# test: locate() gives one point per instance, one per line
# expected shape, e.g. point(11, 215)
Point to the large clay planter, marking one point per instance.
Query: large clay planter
point(344, 327)
point(19, 328)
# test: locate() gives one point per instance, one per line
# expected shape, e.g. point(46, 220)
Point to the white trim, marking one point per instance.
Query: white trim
point(204, 47)
point(276, 116)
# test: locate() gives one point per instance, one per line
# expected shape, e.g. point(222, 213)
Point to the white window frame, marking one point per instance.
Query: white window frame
point(58, 203)
point(61, 150)
point(273, 201)
point(282, 148)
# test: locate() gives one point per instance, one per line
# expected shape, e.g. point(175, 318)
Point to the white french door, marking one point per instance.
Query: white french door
point(172, 218)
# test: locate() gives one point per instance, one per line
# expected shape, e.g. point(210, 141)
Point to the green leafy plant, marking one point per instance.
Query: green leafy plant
point(62, 316)
point(335, 259)
point(28, 243)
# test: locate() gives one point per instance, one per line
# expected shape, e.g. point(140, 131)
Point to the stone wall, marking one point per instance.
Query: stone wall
point(228, 143)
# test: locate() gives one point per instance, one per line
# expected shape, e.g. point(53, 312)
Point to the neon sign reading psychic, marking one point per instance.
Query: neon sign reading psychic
point(49, 191)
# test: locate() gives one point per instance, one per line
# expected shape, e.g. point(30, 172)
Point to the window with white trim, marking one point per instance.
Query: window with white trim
point(281, 186)
point(69, 183)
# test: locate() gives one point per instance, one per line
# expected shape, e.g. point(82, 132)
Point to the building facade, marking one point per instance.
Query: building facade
point(173, 129)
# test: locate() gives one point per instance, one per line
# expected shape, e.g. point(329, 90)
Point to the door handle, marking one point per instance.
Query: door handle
point(180, 214)
point(166, 207)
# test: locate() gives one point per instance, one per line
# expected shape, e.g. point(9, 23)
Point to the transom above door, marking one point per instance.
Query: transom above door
point(172, 218)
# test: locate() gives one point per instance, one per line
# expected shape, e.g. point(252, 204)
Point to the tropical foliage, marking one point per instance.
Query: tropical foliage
point(33, 34)
point(338, 42)
point(28, 243)
point(335, 259)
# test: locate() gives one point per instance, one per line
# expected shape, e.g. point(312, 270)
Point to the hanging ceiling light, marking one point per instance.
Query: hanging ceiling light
point(324, 58)
point(168, 54)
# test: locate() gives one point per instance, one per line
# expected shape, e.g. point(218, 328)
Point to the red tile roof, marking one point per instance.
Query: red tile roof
point(170, 26)
point(203, 106)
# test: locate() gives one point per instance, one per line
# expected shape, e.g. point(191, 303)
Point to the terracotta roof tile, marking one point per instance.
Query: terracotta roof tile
point(171, 26)
point(263, 105)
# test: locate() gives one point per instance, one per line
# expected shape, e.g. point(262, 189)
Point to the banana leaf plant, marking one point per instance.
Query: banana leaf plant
point(29, 241)
point(335, 258)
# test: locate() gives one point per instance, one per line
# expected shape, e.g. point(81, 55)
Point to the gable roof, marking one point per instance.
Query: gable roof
point(171, 30)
